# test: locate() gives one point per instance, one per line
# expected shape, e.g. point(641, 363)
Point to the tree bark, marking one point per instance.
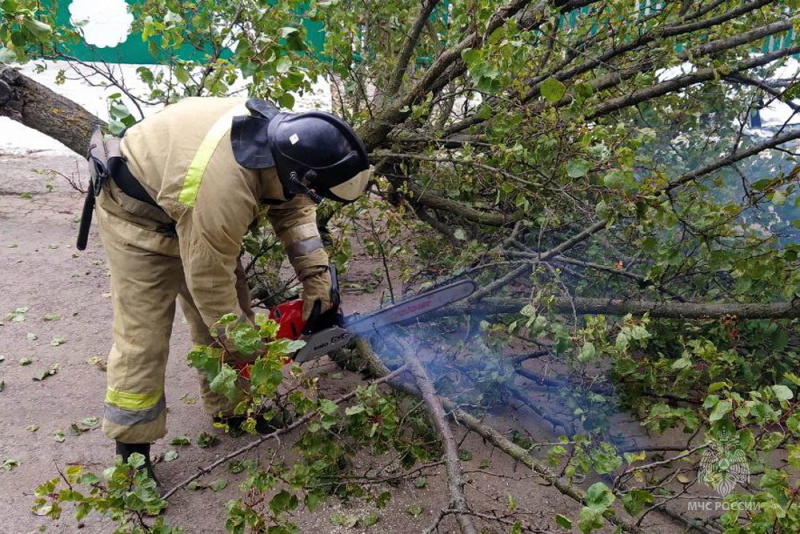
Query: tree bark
point(37, 107)
point(666, 310)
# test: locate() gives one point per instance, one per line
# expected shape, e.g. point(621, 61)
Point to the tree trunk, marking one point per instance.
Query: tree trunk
point(37, 107)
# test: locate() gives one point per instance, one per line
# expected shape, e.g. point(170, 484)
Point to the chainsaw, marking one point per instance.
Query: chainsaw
point(326, 332)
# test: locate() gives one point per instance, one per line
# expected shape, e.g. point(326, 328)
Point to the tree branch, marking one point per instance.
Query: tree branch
point(681, 82)
point(404, 57)
point(455, 479)
point(595, 306)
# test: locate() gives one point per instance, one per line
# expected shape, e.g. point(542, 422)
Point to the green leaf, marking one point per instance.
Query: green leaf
point(614, 179)
point(219, 484)
point(181, 74)
point(383, 499)
point(720, 410)
point(552, 89)
point(180, 441)
point(225, 382)
point(170, 455)
point(236, 467)
point(328, 407)
point(563, 522)
point(283, 501)
point(635, 501)
point(286, 101)
point(716, 386)
point(782, 392)
point(353, 410)
point(283, 65)
point(344, 520)
point(414, 510)
point(471, 56)
point(683, 362)
point(136, 460)
point(228, 318)
point(371, 519)
point(599, 496)
point(51, 317)
point(9, 464)
point(206, 440)
point(578, 167)
point(40, 30)
point(587, 352)
point(90, 421)
point(205, 359)
point(246, 338)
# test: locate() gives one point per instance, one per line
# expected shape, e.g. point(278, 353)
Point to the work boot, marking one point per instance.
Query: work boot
point(126, 449)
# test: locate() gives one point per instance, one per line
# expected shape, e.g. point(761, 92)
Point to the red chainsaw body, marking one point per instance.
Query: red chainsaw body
point(289, 316)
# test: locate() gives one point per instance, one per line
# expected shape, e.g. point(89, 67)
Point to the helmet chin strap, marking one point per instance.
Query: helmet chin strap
point(301, 185)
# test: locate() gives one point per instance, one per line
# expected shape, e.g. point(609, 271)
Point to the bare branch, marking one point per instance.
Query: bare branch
point(669, 310)
point(681, 82)
point(455, 479)
point(404, 57)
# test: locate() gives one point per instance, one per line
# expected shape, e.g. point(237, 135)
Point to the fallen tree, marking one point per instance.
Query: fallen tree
point(593, 166)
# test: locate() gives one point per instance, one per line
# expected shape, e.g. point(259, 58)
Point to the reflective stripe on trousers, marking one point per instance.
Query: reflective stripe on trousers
point(124, 417)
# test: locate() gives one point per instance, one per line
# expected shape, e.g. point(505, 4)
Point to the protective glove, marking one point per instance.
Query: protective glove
point(319, 311)
point(316, 287)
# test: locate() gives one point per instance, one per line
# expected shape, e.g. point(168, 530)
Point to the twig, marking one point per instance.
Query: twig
point(455, 479)
point(275, 435)
point(667, 461)
point(519, 358)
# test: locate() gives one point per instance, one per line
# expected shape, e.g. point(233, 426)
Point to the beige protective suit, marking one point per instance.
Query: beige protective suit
point(183, 158)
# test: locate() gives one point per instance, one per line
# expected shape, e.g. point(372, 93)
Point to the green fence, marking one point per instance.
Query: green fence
point(135, 50)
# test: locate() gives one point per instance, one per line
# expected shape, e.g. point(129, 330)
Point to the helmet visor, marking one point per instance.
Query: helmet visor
point(350, 190)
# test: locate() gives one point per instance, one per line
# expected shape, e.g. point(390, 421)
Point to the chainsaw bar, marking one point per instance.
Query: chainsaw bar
point(330, 339)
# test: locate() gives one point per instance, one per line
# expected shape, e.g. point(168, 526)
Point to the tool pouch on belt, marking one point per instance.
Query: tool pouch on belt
point(98, 171)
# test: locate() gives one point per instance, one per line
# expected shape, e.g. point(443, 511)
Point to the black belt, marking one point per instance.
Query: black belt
point(119, 172)
point(116, 169)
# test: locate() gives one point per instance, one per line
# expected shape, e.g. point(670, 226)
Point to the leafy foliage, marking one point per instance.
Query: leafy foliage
point(124, 493)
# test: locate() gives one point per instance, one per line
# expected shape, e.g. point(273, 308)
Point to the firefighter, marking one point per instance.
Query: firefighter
point(174, 198)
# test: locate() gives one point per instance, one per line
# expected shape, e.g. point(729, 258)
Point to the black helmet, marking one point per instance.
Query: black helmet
point(320, 152)
point(315, 153)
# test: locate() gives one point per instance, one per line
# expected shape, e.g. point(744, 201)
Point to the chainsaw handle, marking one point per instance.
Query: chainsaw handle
point(332, 317)
point(289, 314)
